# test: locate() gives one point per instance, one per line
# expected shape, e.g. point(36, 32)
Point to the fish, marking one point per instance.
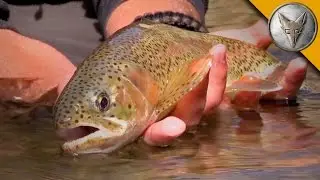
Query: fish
point(138, 75)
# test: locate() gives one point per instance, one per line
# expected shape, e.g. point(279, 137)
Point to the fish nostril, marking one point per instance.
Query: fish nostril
point(64, 120)
point(76, 107)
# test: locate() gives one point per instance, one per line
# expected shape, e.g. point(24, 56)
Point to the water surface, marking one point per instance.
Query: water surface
point(280, 141)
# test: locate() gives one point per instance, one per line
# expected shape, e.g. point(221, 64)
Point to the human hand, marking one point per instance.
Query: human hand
point(207, 95)
point(166, 130)
point(295, 73)
point(30, 69)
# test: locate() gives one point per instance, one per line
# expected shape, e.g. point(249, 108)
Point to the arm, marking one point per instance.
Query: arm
point(116, 14)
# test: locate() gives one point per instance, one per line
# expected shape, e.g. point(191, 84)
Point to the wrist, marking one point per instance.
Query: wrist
point(127, 12)
point(179, 20)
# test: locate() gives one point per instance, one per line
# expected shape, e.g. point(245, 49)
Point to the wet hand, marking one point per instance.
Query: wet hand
point(206, 96)
point(295, 73)
point(30, 68)
point(292, 80)
point(163, 132)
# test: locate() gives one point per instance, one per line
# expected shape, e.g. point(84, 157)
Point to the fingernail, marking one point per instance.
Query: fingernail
point(219, 53)
point(217, 48)
point(174, 127)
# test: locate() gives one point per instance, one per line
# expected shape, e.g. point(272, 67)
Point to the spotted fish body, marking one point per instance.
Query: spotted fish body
point(137, 77)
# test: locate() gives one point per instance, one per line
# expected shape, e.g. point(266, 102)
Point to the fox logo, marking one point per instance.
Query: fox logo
point(294, 28)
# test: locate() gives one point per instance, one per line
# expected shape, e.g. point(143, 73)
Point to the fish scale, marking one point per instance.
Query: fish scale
point(137, 77)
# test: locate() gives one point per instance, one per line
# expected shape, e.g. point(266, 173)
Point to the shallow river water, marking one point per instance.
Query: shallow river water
point(279, 142)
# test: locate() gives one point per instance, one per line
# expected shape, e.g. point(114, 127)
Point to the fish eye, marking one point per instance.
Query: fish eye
point(103, 102)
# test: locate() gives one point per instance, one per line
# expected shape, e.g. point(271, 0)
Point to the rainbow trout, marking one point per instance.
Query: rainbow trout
point(137, 77)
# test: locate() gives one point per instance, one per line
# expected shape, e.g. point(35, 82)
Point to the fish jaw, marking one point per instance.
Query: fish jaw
point(91, 138)
point(99, 139)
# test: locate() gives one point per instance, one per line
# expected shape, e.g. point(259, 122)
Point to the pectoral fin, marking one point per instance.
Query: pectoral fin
point(246, 92)
point(181, 82)
point(252, 83)
point(143, 80)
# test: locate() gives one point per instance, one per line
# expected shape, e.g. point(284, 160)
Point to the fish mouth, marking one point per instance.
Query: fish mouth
point(72, 134)
point(83, 138)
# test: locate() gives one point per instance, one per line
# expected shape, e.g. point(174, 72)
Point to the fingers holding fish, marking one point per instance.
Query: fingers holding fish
point(292, 80)
point(165, 131)
point(261, 35)
point(263, 41)
point(294, 76)
point(217, 78)
point(208, 94)
point(191, 107)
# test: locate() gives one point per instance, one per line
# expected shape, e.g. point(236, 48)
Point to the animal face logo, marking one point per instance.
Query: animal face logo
point(291, 28)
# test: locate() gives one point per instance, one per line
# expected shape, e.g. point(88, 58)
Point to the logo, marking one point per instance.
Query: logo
point(293, 27)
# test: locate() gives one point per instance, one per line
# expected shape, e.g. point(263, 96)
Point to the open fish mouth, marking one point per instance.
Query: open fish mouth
point(72, 134)
point(77, 137)
point(85, 137)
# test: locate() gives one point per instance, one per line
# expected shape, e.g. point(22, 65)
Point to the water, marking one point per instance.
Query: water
point(281, 142)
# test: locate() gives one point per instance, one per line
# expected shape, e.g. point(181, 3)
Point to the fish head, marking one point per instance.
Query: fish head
point(98, 112)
